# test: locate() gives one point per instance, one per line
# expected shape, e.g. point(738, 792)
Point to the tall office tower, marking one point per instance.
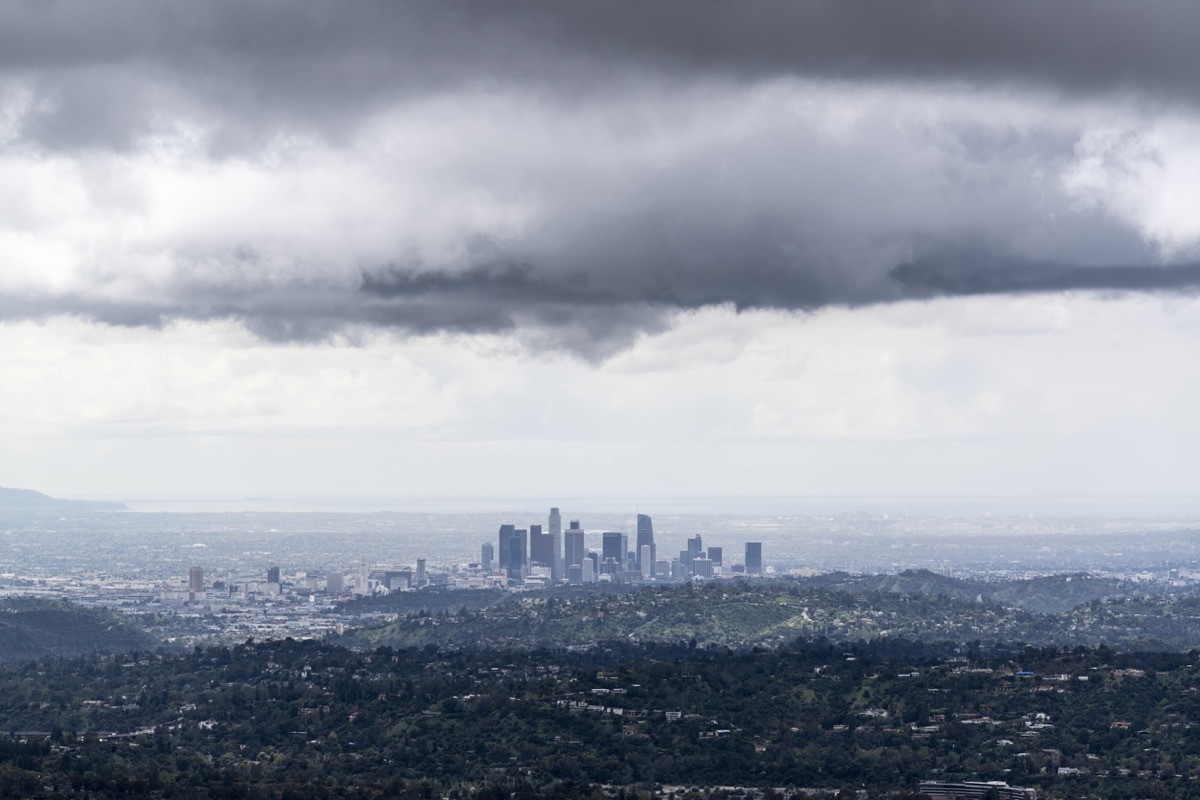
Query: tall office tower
point(518, 550)
point(573, 551)
point(695, 549)
point(196, 579)
point(538, 557)
point(753, 558)
point(714, 555)
point(506, 534)
point(272, 574)
point(646, 560)
point(421, 572)
point(592, 558)
point(588, 569)
point(556, 544)
point(612, 546)
point(645, 537)
point(702, 567)
point(575, 574)
point(486, 554)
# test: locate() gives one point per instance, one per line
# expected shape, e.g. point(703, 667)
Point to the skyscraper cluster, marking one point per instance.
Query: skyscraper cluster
point(550, 554)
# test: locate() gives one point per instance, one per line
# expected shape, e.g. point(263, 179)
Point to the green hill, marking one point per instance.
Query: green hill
point(917, 606)
point(31, 628)
point(1054, 594)
point(1048, 594)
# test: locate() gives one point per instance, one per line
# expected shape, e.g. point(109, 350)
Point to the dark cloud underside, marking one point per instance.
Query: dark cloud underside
point(789, 217)
point(316, 64)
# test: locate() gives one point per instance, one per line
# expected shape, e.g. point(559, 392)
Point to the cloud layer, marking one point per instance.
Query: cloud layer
point(580, 173)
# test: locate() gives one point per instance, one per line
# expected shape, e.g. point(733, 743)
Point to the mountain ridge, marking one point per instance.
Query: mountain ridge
point(30, 500)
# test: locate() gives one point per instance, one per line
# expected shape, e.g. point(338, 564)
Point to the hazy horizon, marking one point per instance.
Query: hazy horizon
point(1131, 506)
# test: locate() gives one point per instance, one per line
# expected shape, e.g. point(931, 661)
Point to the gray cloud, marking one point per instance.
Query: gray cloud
point(784, 215)
point(964, 270)
point(107, 72)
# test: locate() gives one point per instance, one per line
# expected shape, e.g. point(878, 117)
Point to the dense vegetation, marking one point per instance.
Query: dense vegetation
point(304, 719)
point(914, 605)
point(863, 683)
point(32, 628)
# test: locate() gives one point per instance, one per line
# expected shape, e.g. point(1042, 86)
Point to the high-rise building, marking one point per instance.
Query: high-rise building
point(695, 547)
point(335, 583)
point(753, 558)
point(272, 574)
point(714, 555)
point(645, 538)
point(702, 567)
point(646, 560)
point(556, 544)
point(505, 548)
point(538, 557)
point(486, 554)
point(421, 572)
point(612, 546)
point(518, 550)
point(573, 551)
point(196, 579)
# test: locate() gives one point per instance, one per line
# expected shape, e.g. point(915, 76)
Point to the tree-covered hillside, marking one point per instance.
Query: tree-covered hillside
point(309, 720)
point(768, 613)
point(33, 628)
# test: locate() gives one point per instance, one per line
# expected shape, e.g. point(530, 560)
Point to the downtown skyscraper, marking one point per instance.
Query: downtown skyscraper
point(645, 538)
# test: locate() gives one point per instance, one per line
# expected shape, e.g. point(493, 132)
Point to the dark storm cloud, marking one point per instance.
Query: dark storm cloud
point(788, 217)
point(108, 70)
point(966, 271)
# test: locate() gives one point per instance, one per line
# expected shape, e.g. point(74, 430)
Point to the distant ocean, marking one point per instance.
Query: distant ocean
point(1182, 507)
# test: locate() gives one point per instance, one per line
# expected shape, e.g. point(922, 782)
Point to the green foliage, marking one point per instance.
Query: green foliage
point(915, 604)
point(306, 719)
point(33, 627)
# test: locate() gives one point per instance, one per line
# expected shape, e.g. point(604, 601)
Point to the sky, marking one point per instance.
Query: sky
point(621, 250)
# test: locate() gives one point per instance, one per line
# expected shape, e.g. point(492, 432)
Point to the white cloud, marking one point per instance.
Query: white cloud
point(913, 398)
point(1145, 173)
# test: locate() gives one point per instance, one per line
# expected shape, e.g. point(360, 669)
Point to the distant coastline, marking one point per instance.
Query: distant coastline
point(29, 500)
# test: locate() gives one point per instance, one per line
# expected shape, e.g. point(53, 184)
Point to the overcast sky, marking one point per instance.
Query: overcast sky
point(611, 248)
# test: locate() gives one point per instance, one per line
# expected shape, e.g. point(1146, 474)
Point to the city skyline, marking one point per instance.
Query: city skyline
point(410, 251)
point(615, 558)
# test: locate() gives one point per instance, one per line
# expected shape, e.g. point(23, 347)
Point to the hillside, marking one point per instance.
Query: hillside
point(772, 613)
point(32, 628)
point(1048, 594)
point(1055, 594)
point(302, 719)
point(910, 581)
